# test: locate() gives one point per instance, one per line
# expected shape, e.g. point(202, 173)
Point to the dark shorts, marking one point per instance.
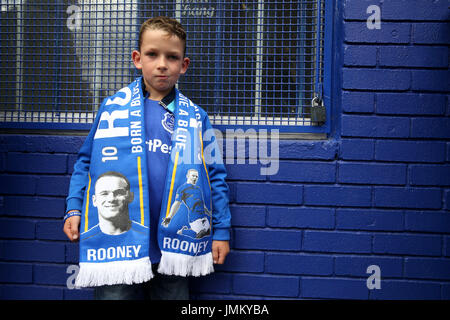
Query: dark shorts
point(160, 287)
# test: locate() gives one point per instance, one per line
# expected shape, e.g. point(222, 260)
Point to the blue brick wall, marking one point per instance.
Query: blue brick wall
point(376, 192)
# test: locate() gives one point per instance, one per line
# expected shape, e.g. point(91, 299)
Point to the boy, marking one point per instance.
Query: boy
point(173, 128)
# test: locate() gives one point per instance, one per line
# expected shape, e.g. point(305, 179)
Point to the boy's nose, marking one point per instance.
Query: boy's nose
point(162, 63)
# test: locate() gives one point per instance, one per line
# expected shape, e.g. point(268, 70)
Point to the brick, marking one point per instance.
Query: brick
point(308, 150)
point(243, 261)
point(357, 149)
point(357, 9)
point(430, 128)
point(317, 218)
point(248, 216)
point(447, 199)
point(423, 221)
point(407, 244)
point(410, 151)
point(376, 79)
point(267, 239)
point(2, 161)
point(356, 266)
point(390, 32)
point(427, 268)
point(415, 10)
point(50, 230)
point(446, 291)
point(72, 252)
point(18, 184)
point(274, 193)
point(232, 191)
point(339, 242)
point(431, 33)
point(53, 185)
point(16, 272)
point(294, 171)
point(216, 283)
point(32, 251)
point(430, 175)
point(361, 102)
point(271, 286)
point(36, 163)
point(350, 196)
point(27, 292)
point(360, 55)
point(369, 219)
point(397, 197)
point(411, 104)
point(372, 126)
point(448, 151)
point(78, 294)
point(430, 80)
point(50, 274)
point(299, 264)
point(42, 143)
point(447, 246)
point(447, 113)
point(34, 207)
point(245, 171)
point(17, 228)
point(406, 290)
point(332, 288)
point(403, 56)
point(71, 159)
point(372, 173)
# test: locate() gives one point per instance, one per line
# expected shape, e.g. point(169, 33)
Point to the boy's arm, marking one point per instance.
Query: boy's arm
point(221, 216)
point(80, 175)
point(78, 181)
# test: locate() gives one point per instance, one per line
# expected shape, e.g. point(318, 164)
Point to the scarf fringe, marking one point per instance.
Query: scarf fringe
point(178, 264)
point(115, 272)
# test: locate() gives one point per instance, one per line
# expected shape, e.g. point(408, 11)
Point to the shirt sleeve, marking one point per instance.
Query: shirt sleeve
point(221, 216)
point(80, 175)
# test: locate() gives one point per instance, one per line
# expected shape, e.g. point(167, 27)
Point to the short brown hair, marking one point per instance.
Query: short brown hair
point(171, 26)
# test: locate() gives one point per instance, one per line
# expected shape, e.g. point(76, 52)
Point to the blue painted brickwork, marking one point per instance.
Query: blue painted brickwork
point(375, 193)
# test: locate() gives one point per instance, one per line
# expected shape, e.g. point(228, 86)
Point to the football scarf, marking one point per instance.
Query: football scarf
point(115, 228)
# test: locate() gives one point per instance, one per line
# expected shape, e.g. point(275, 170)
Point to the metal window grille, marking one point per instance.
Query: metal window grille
point(253, 63)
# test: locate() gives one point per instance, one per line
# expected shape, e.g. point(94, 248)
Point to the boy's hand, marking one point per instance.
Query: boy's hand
point(71, 228)
point(220, 249)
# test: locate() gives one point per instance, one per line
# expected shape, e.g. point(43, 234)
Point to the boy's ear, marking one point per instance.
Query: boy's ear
point(136, 56)
point(185, 66)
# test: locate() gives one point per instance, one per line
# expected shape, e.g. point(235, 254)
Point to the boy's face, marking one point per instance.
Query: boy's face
point(161, 59)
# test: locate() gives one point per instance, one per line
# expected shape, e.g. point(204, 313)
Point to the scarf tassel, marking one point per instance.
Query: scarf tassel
point(184, 265)
point(116, 272)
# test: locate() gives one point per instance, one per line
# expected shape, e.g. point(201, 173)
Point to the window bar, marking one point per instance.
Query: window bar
point(301, 56)
point(259, 58)
point(58, 70)
point(19, 57)
point(98, 54)
point(218, 59)
point(319, 50)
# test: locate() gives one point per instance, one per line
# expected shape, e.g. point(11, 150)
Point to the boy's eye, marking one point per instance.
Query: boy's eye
point(151, 54)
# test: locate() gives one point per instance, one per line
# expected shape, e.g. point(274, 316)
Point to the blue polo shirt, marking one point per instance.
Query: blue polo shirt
point(159, 123)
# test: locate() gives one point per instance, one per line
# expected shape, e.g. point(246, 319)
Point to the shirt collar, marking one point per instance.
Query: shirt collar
point(167, 101)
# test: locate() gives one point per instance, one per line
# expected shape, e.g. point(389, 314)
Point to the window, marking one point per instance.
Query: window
point(258, 63)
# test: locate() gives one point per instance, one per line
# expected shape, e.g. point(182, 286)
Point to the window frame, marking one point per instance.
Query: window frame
point(261, 123)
